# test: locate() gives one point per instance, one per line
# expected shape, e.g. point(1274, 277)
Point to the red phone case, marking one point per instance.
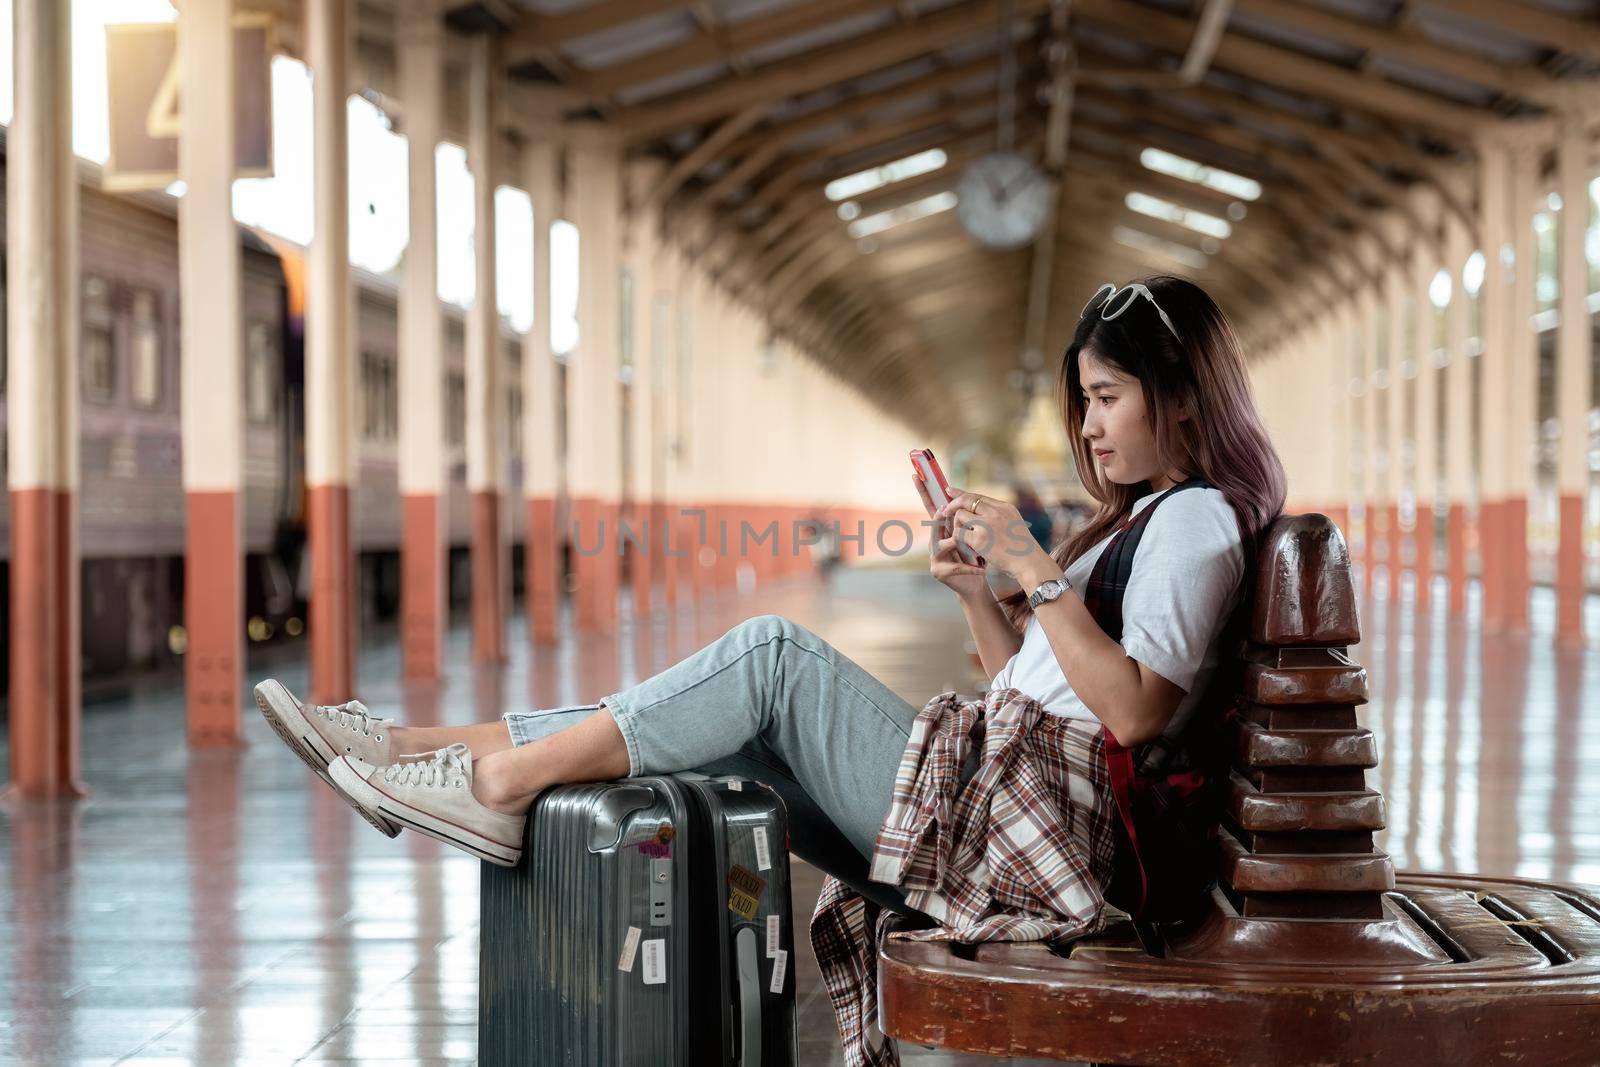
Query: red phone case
point(938, 473)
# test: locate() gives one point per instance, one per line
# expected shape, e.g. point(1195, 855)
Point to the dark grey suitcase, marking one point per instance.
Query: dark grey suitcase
point(648, 924)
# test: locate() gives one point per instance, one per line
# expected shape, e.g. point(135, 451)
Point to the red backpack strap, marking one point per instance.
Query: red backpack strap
point(1119, 768)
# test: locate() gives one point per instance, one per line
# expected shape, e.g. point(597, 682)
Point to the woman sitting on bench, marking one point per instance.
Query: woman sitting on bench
point(1154, 396)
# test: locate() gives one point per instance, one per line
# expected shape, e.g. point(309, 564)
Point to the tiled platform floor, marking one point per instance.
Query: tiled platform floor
point(220, 907)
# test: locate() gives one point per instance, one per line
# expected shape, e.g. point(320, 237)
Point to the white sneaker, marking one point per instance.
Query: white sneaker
point(433, 796)
point(319, 735)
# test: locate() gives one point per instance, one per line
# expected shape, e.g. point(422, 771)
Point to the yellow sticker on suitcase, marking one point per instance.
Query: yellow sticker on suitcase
point(744, 891)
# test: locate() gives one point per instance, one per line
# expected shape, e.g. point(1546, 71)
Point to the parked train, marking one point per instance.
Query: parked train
point(131, 493)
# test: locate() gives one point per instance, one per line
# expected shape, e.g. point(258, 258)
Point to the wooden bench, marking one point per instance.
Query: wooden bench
point(1311, 950)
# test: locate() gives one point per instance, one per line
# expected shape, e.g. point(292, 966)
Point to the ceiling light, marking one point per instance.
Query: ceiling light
point(1166, 210)
point(917, 209)
point(849, 211)
point(1146, 242)
point(875, 177)
point(1187, 169)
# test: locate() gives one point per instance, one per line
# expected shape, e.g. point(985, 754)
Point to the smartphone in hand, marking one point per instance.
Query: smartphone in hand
point(932, 477)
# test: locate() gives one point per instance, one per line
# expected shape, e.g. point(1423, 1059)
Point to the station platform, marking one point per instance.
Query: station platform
point(221, 907)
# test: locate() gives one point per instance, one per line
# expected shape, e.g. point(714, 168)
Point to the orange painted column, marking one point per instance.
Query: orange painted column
point(1460, 449)
point(209, 280)
point(330, 378)
point(540, 478)
point(1522, 392)
point(485, 385)
point(42, 414)
point(595, 454)
point(1494, 197)
point(1574, 374)
point(424, 603)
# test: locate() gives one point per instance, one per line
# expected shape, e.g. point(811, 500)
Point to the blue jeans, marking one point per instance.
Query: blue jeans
point(772, 701)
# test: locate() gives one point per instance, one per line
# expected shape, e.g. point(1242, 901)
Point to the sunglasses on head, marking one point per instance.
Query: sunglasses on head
point(1113, 302)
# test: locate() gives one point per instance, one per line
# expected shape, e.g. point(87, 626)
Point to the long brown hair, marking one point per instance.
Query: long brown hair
point(1223, 441)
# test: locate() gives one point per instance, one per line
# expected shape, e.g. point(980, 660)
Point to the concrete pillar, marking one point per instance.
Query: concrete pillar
point(1402, 367)
point(1494, 175)
point(424, 601)
point(330, 363)
point(209, 281)
point(659, 343)
point(1460, 448)
point(1426, 420)
point(638, 259)
point(1574, 374)
point(677, 553)
point(42, 409)
point(595, 395)
point(540, 431)
point(484, 359)
point(1372, 525)
point(1523, 391)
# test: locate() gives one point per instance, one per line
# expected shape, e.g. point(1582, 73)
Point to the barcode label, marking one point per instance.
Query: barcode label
point(772, 936)
point(763, 851)
point(736, 785)
point(655, 962)
point(780, 969)
point(630, 946)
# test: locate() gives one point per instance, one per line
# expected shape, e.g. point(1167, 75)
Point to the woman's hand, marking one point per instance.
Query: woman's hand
point(945, 563)
point(995, 529)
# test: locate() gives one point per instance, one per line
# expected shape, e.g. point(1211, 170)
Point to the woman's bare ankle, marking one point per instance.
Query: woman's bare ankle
point(495, 787)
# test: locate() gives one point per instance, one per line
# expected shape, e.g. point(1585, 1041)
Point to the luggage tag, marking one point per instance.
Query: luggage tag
point(659, 847)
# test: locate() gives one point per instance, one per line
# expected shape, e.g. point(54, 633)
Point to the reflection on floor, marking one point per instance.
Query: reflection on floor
point(214, 907)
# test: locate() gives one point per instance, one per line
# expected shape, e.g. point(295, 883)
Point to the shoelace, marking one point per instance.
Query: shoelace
point(447, 768)
point(353, 715)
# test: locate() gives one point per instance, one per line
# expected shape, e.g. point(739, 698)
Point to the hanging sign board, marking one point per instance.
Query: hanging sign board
point(145, 96)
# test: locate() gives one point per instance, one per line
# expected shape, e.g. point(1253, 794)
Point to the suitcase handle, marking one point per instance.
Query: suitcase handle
point(748, 959)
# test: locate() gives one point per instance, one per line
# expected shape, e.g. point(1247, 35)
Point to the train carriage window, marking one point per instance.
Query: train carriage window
point(261, 352)
point(98, 340)
point(514, 419)
point(455, 415)
point(380, 412)
point(146, 350)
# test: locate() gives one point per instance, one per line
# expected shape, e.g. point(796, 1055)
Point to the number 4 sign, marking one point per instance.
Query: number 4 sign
point(145, 98)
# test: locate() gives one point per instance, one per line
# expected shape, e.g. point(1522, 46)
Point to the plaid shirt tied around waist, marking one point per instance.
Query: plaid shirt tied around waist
point(1020, 854)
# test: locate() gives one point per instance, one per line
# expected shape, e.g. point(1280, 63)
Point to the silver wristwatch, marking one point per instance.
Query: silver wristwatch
point(1048, 590)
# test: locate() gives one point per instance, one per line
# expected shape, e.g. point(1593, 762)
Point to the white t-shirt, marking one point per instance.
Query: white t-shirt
point(1187, 575)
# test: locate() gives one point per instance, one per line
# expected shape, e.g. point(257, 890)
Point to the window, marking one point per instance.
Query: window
point(455, 414)
point(99, 347)
point(261, 367)
point(380, 403)
point(146, 350)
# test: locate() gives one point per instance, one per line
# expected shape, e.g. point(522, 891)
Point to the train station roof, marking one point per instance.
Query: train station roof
point(1274, 150)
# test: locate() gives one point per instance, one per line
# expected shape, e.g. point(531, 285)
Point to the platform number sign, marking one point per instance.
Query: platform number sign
point(145, 89)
